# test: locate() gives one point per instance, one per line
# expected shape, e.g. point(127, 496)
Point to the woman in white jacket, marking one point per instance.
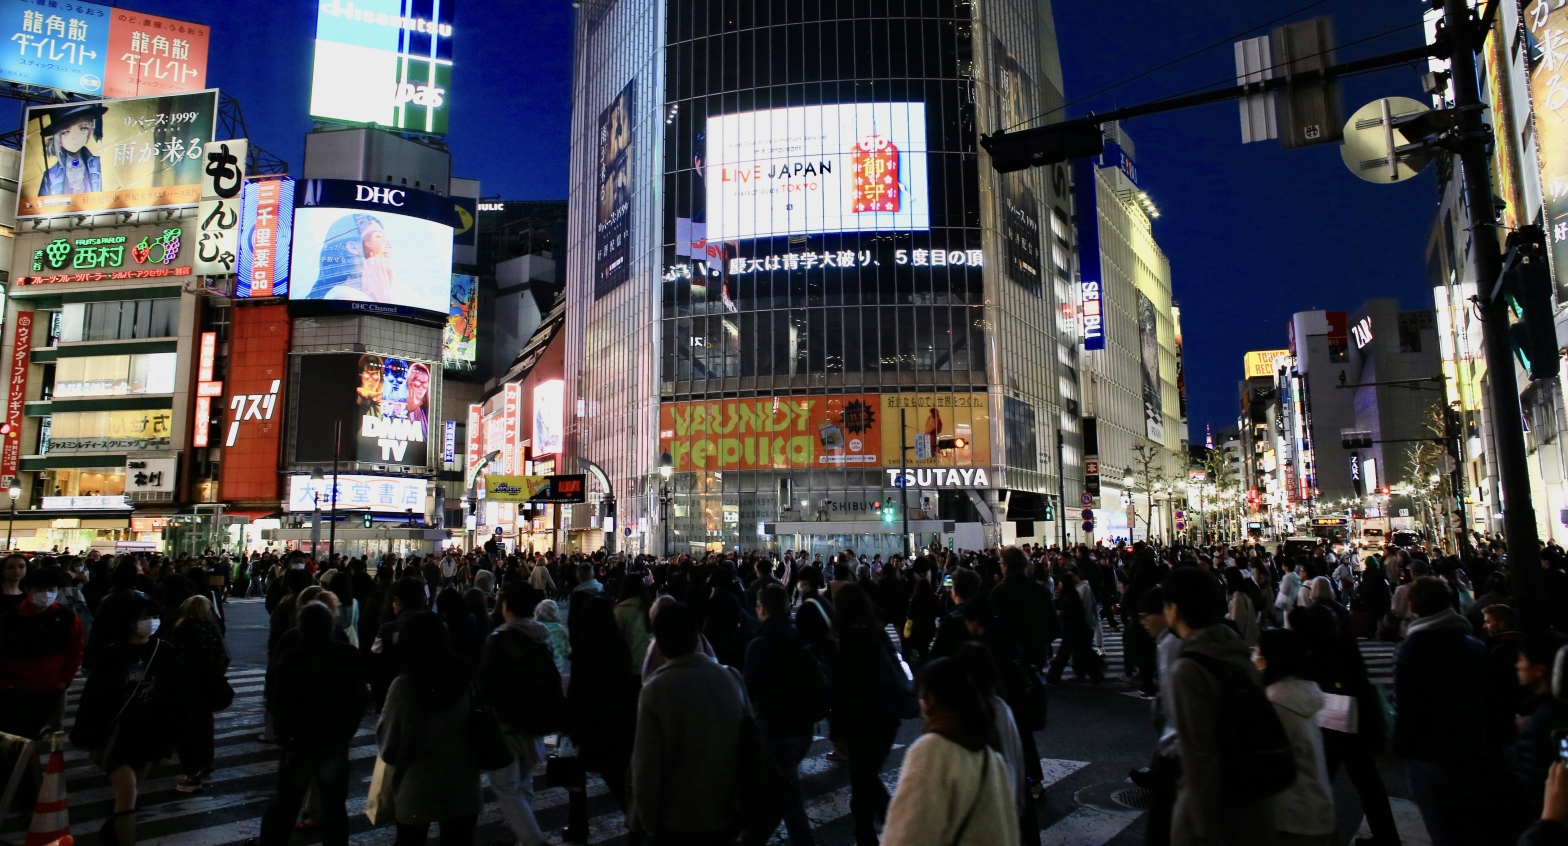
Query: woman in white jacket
point(953, 789)
point(1303, 812)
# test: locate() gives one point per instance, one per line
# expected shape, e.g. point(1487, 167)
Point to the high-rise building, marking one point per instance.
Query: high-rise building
point(794, 277)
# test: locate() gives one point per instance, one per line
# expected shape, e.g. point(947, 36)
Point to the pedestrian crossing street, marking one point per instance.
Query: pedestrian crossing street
point(229, 811)
point(1378, 654)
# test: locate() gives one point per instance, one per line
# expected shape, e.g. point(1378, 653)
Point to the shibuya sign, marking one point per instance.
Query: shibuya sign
point(939, 477)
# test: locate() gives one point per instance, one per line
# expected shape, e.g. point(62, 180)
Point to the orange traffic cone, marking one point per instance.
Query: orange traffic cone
point(51, 820)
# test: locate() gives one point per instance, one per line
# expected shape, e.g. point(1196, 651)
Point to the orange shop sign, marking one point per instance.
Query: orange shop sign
point(772, 433)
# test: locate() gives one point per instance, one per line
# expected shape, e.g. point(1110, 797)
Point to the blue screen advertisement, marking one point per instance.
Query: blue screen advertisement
point(55, 44)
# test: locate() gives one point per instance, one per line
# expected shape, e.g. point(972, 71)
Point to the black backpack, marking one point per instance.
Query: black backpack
point(537, 704)
point(1256, 760)
point(805, 692)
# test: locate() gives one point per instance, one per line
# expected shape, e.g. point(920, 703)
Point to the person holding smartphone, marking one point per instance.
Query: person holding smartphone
point(1541, 716)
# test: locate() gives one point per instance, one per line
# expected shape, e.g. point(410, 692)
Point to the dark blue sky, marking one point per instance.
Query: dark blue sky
point(1253, 233)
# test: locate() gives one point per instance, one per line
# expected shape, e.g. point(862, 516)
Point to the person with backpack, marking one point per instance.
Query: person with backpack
point(788, 696)
point(519, 681)
point(1234, 752)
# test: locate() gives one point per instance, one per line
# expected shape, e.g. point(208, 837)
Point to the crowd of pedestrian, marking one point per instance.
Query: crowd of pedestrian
point(695, 686)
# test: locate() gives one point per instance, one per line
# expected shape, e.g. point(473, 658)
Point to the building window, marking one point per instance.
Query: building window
point(114, 375)
point(119, 321)
point(86, 481)
point(88, 431)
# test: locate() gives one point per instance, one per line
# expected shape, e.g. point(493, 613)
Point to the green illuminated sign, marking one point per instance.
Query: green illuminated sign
point(106, 252)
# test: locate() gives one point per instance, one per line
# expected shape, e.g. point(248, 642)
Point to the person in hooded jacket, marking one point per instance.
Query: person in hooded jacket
point(1439, 687)
point(1205, 813)
point(1303, 812)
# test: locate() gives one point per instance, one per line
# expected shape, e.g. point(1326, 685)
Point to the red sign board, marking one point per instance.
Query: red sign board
point(21, 358)
point(150, 56)
point(253, 417)
point(511, 413)
point(475, 439)
point(209, 351)
point(203, 415)
point(264, 259)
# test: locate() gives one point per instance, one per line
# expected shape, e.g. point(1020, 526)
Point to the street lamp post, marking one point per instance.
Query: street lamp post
point(16, 493)
point(666, 467)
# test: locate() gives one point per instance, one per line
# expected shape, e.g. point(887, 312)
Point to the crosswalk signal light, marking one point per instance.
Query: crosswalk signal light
point(367, 521)
point(887, 514)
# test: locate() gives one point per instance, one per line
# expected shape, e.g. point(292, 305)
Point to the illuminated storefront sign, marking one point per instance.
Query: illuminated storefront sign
point(218, 215)
point(448, 441)
point(476, 440)
point(548, 489)
point(384, 61)
point(358, 493)
point(266, 237)
point(511, 418)
point(1260, 364)
point(939, 477)
point(21, 358)
point(108, 251)
point(206, 389)
point(99, 276)
point(258, 360)
point(549, 417)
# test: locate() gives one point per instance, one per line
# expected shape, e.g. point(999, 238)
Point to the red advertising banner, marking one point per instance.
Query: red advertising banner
point(21, 358)
point(149, 55)
point(264, 261)
point(252, 431)
point(202, 414)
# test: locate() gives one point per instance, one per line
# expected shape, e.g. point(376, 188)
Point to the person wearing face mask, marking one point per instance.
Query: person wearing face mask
point(130, 711)
point(40, 652)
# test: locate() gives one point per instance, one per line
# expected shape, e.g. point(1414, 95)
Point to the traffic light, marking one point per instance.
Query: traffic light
point(1050, 513)
point(1043, 145)
point(887, 514)
point(367, 521)
point(1527, 283)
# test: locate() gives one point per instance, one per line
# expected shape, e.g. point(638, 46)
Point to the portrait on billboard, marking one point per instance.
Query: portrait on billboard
point(549, 416)
point(114, 155)
point(852, 167)
point(613, 211)
point(382, 403)
point(379, 249)
point(1016, 104)
point(1149, 357)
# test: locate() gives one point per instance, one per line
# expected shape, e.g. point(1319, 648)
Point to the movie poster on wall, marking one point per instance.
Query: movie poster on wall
point(1149, 356)
point(1016, 105)
point(613, 212)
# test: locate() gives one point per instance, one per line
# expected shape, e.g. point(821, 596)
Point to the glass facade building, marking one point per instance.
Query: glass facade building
point(793, 272)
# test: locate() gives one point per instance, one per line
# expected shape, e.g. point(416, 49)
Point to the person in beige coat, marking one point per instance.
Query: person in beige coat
point(954, 787)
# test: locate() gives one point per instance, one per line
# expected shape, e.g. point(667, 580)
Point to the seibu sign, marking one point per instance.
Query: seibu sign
point(939, 477)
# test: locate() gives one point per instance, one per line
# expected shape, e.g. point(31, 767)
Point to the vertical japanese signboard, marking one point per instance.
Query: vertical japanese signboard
point(1089, 278)
point(511, 413)
point(21, 358)
point(476, 440)
point(218, 215)
point(266, 237)
point(1548, 28)
point(206, 389)
point(258, 359)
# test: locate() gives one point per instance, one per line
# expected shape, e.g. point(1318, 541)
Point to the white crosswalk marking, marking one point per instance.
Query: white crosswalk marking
point(1378, 654)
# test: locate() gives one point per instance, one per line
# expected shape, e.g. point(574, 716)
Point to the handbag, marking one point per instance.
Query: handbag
point(565, 768)
point(378, 804)
point(219, 694)
point(1339, 713)
point(487, 740)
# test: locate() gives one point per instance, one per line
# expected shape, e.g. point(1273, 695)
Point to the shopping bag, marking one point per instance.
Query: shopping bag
point(1339, 713)
point(378, 805)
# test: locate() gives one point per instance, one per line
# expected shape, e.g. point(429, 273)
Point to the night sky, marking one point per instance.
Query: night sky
point(1253, 233)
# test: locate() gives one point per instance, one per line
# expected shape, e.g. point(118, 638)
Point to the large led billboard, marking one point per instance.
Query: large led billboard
point(99, 50)
point(383, 404)
point(371, 248)
point(852, 167)
point(387, 62)
point(115, 155)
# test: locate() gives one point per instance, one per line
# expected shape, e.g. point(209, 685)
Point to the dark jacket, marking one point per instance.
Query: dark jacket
point(1504, 696)
point(767, 676)
point(923, 610)
point(152, 709)
point(1439, 685)
point(201, 652)
point(951, 633)
point(1534, 751)
point(110, 623)
point(318, 696)
point(855, 679)
point(1025, 605)
point(1545, 833)
point(517, 660)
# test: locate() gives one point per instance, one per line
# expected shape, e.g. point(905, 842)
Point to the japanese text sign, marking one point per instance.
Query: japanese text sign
point(218, 216)
point(100, 50)
point(266, 236)
point(21, 358)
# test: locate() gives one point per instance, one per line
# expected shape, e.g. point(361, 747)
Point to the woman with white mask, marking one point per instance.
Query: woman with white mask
point(131, 711)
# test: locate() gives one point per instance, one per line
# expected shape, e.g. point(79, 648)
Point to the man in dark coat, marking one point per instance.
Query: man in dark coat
point(1025, 606)
point(318, 698)
point(950, 630)
point(1543, 714)
point(1439, 685)
point(788, 695)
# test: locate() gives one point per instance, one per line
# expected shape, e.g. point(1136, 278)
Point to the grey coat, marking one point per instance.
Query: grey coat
point(436, 777)
point(1205, 815)
point(684, 764)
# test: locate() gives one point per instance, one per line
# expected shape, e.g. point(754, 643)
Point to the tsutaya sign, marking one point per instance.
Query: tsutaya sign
point(939, 477)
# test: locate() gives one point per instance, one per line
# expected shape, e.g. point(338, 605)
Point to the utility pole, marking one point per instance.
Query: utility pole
point(1463, 33)
point(903, 476)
